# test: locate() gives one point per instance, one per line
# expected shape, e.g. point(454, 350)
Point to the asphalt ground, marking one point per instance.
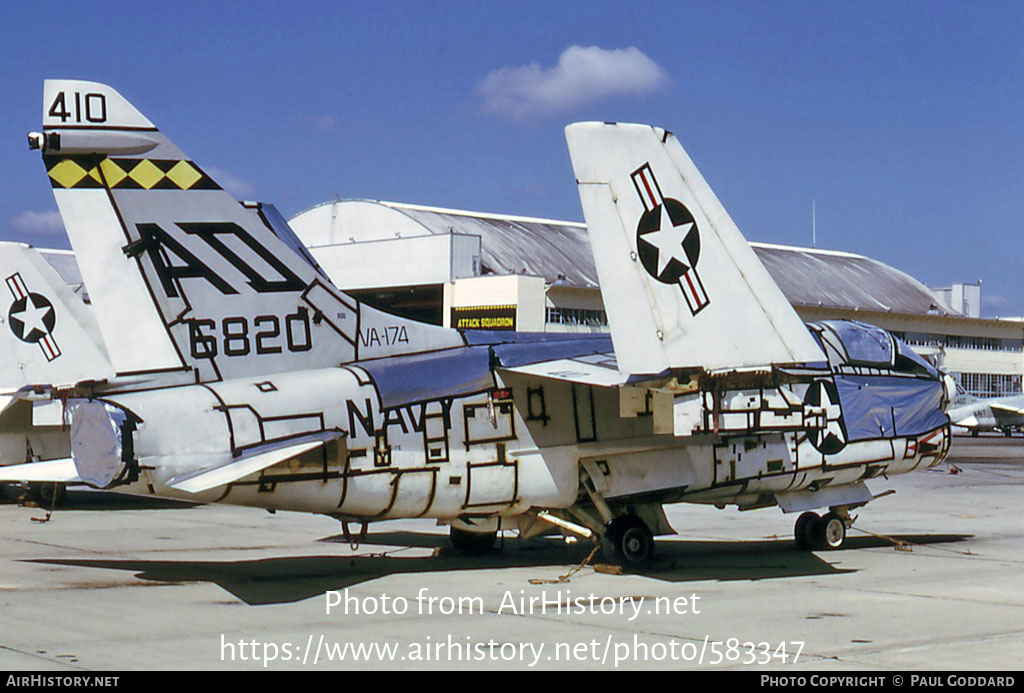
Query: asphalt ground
point(929, 578)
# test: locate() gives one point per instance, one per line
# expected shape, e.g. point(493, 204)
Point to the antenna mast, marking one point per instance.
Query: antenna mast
point(814, 226)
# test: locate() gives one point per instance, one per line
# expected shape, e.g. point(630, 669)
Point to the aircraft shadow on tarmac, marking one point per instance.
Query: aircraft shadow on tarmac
point(295, 578)
point(101, 500)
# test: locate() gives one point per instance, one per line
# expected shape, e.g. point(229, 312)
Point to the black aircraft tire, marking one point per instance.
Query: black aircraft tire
point(830, 531)
point(48, 494)
point(472, 543)
point(804, 530)
point(628, 541)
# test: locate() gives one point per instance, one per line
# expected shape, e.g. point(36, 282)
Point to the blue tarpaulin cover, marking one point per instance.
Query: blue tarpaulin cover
point(885, 406)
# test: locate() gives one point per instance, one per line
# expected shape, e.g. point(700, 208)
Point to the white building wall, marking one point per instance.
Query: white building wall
point(400, 261)
point(524, 292)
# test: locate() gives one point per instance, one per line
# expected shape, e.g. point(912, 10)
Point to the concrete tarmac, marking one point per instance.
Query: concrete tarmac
point(930, 578)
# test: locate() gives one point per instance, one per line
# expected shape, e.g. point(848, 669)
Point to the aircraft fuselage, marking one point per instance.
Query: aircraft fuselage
point(502, 452)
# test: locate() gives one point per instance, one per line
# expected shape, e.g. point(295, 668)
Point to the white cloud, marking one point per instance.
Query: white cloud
point(230, 182)
point(43, 223)
point(583, 74)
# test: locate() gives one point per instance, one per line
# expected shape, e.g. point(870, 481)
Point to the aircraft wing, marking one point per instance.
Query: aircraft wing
point(999, 408)
point(635, 397)
point(250, 462)
point(1006, 414)
point(599, 370)
point(60, 470)
point(420, 377)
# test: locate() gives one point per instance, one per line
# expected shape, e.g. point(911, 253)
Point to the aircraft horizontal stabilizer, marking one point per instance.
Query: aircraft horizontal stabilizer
point(60, 470)
point(252, 461)
point(681, 285)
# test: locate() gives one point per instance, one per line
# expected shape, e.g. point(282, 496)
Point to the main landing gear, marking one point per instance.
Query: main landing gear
point(628, 540)
point(822, 532)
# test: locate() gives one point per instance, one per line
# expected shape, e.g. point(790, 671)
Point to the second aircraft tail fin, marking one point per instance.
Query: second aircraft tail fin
point(51, 336)
point(681, 285)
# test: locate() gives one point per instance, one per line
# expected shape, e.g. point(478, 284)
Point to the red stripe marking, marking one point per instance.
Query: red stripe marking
point(647, 186)
point(17, 286)
point(697, 298)
point(50, 350)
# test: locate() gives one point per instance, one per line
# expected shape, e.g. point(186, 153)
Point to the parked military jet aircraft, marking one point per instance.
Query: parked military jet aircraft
point(242, 375)
point(1005, 414)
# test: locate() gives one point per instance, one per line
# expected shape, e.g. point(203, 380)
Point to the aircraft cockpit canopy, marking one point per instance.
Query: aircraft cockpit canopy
point(852, 343)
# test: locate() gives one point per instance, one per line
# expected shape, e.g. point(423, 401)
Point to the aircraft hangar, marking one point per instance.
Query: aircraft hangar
point(469, 269)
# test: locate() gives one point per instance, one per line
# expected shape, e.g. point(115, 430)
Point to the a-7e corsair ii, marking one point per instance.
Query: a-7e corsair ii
point(242, 375)
point(1005, 414)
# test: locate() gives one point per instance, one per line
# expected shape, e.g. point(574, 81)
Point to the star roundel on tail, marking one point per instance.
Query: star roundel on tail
point(32, 317)
point(668, 240)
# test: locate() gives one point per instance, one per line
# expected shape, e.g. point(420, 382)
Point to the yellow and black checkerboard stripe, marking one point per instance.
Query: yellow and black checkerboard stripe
point(126, 174)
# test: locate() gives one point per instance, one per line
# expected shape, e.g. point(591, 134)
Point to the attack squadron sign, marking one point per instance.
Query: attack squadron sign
point(31, 317)
point(668, 240)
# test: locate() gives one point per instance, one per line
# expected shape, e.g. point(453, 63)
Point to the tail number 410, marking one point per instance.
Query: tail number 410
point(241, 336)
point(92, 107)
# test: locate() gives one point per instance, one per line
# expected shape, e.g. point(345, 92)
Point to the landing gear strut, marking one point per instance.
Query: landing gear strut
point(827, 532)
point(629, 541)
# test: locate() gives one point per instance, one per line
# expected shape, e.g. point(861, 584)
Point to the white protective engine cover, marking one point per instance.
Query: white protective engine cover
point(96, 444)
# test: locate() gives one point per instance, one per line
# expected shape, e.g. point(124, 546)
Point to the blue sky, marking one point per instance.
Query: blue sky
point(903, 122)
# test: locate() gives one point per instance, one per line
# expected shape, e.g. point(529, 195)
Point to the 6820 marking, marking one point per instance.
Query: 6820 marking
point(235, 337)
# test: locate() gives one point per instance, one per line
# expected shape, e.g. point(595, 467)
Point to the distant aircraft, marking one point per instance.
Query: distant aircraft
point(1004, 414)
point(242, 375)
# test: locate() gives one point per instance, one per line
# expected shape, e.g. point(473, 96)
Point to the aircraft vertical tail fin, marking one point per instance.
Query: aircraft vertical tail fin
point(681, 285)
point(182, 276)
point(50, 336)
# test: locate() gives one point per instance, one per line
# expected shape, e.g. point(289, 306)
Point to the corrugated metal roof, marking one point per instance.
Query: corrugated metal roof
point(561, 249)
point(66, 266)
point(63, 261)
point(539, 247)
point(554, 249)
point(843, 280)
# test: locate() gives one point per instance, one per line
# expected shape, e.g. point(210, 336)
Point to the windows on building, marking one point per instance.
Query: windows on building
point(953, 341)
point(988, 384)
point(576, 316)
